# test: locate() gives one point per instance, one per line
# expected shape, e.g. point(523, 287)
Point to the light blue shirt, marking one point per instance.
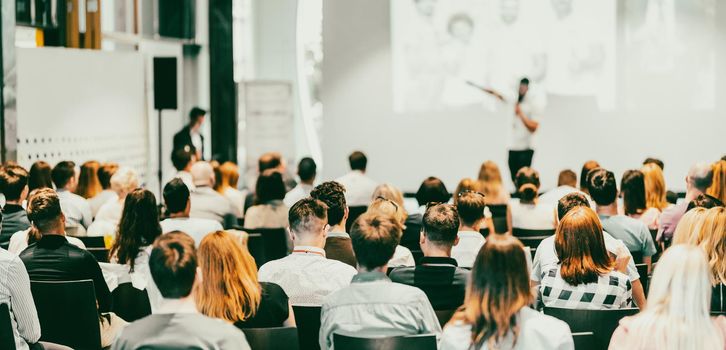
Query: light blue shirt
point(634, 233)
point(374, 306)
point(76, 209)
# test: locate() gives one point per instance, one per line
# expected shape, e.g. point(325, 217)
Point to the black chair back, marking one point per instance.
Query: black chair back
point(266, 244)
point(92, 241)
point(584, 340)
point(307, 319)
point(644, 278)
point(637, 257)
point(353, 214)
point(484, 232)
point(413, 342)
point(601, 323)
point(532, 238)
point(101, 254)
point(256, 247)
point(130, 303)
point(272, 338)
point(7, 339)
point(444, 316)
point(411, 236)
point(67, 313)
point(499, 217)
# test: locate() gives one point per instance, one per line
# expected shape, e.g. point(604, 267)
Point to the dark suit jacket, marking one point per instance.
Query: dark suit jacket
point(52, 258)
point(184, 138)
point(341, 249)
point(440, 278)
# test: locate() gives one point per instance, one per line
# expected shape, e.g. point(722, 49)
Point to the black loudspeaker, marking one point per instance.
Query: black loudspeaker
point(176, 18)
point(164, 83)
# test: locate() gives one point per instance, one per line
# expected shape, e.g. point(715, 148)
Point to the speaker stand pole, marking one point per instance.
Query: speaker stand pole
point(159, 174)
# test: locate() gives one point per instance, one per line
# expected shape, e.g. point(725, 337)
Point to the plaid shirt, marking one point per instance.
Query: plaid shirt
point(611, 291)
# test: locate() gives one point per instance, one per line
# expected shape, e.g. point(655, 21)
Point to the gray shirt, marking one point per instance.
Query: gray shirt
point(75, 208)
point(373, 306)
point(209, 204)
point(181, 331)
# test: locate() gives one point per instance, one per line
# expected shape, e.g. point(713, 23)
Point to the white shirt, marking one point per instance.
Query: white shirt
point(107, 219)
point(553, 196)
point(466, 250)
point(402, 257)
point(359, 188)
point(15, 292)
point(196, 140)
point(116, 274)
point(100, 199)
point(237, 199)
point(186, 178)
point(299, 192)
point(306, 275)
point(536, 331)
point(19, 241)
point(546, 257)
point(538, 216)
point(75, 208)
point(531, 106)
point(195, 227)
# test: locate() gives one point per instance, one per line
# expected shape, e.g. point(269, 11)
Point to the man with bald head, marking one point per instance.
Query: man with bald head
point(698, 180)
point(206, 203)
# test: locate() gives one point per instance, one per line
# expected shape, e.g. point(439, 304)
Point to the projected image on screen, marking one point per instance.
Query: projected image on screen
point(564, 45)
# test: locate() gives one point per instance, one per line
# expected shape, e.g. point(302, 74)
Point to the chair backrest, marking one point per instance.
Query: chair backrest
point(101, 254)
point(67, 313)
point(272, 338)
point(499, 217)
point(444, 316)
point(601, 323)
point(637, 257)
point(354, 213)
point(584, 340)
point(522, 233)
point(307, 319)
point(92, 241)
point(413, 342)
point(411, 236)
point(130, 303)
point(484, 232)
point(274, 243)
point(7, 339)
point(643, 272)
point(256, 247)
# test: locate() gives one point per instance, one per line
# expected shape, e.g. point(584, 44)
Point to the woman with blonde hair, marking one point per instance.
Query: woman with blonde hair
point(123, 182)
point(496, 313)
point(689, 227)
point(226, 185)
point(655, 187)
point(718, 186)
point(712, 239)
point(384, 206)
point(88, 184)
point(391, 192)
point(677, 315)
point(466, 185)
point(490, 181)
point(231, 291)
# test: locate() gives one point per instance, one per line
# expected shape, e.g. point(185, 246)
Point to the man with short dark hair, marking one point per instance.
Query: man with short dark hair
point(634, 233)
point(177, 324)
point(699, 178)
point(337, 244)
point(373, 306)
point(14, 185)
point(471, 207)
point(178, 204)
point(190, 136)
point(437, 273)
point(546, 257)
point(183, 159)
point(359, 187)
point(75, 208)
point(307, 275)
point(306, 171)
point(566, 184)
point(655, 161)
point(105, 172)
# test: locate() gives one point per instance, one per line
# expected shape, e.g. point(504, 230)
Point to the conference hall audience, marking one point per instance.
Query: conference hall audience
point(634, 233)
point(105, 172)
point(15, 292)
point(178, 205)
point(470, 208)
point(183, 159)
point(655, 187)
point(123, 182)
point(566, 184)
point(88, 184)
point(269, 210)
point(14, 185)
point(718, 185)
point(307, 276)
point(230, 290)
point(496, 313)
point(372, 305)
point(490, 180)
point(75, 208)
point(437, 273)
point(586, 168)
point(465, 185)
point(39, 176)
point(358, 186)
point(307, 170)
point(206, 203)
point(177, 324)
point(53, 258)
point(699, 179)
point(226, 185)
point(677, 315)
point(632, 190)
point(337, 244)
point(546, 256)
point(527, 211)
point(586, 277)
point(384, 206)
point(267, 161)
point(432, 190)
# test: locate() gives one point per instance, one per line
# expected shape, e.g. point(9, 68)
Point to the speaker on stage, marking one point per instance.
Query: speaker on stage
point(165, 86)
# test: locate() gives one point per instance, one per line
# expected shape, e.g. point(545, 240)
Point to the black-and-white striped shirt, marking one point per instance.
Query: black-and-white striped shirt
point(15, 291)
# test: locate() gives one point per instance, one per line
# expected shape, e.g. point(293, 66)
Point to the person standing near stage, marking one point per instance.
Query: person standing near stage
point(190, 137)
point(527, 107)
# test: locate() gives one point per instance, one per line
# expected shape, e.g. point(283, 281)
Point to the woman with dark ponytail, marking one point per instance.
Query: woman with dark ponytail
point(527, 212)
